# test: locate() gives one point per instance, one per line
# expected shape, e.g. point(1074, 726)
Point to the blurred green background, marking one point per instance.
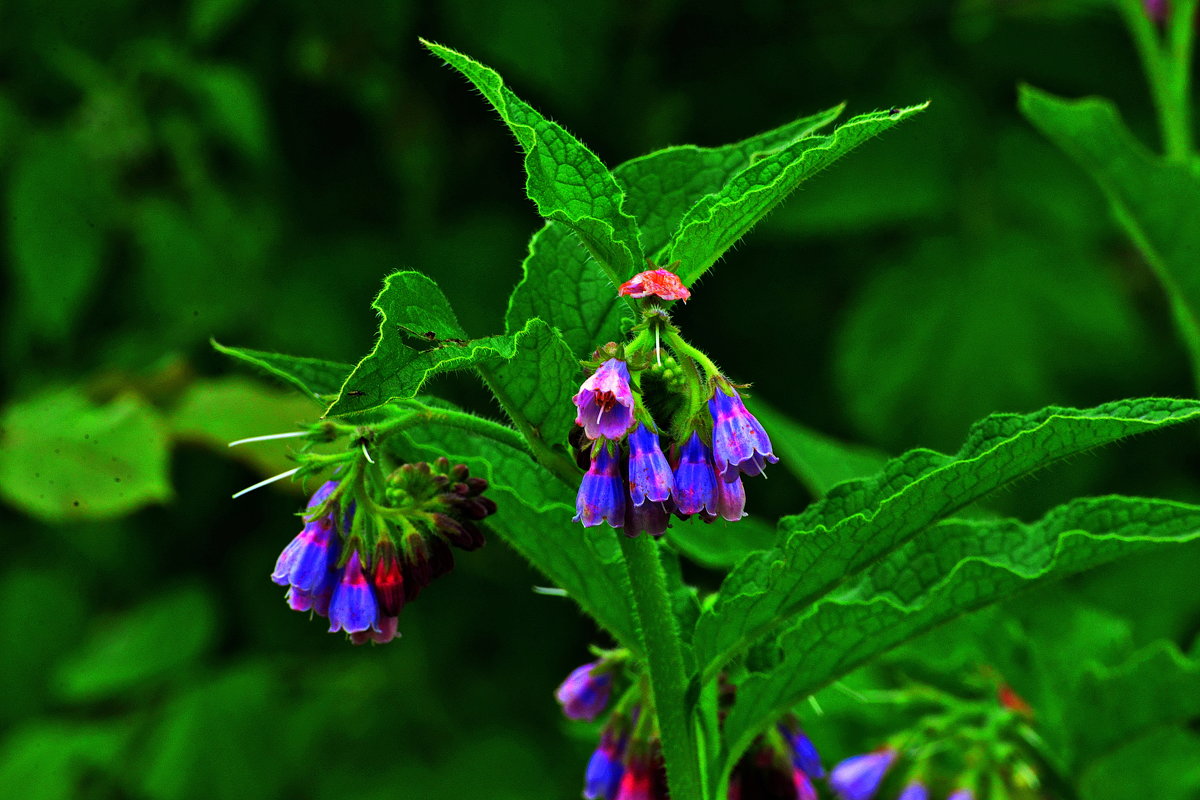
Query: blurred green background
point(250, 171)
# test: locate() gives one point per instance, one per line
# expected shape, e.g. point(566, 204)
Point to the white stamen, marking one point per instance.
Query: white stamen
point(261, 484)
point(291, 435)
point(553, 591)
point(599, 415)
point(657, 346)
point(366, 454)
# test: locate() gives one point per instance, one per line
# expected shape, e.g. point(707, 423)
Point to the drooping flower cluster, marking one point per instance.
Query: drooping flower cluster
point(360, 569)
point(780, 765)
point(640, 473)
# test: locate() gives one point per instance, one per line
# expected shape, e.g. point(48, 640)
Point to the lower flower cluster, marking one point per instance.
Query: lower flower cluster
point(360, 569)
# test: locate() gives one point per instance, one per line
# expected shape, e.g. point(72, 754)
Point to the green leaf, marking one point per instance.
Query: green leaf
point(1154, 200)
point(154, 642)
point(63, 458)
point(54, 760)
point(1155, 687)
point(560, 283)
point(719, 220)
point(566, 181)
point(721, 544)
point(318, 379)
point(59, 204)
point(859, 522)
point(420, 337)
point(948, 570)
point(539, 381)
point(818, 461)
point(534, 518)
point(1164, 765)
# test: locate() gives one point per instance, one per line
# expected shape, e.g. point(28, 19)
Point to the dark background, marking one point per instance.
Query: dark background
point(250, 171)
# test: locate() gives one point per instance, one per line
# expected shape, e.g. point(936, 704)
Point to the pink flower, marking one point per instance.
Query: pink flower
point(660, 283)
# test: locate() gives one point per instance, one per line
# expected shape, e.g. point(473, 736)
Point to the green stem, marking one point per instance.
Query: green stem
point(530, 438)
point(1166, 70)
point(664, 660)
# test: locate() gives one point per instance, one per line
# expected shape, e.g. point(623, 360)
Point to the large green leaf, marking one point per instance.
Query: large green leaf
point(420, 337)
point(566, 181)
point(534, 517)
point(1155, 200)
point(63, 458)
point(318, 379)
point(719, 220)
point(948, 570)
point(560, 283)
point(859, 522)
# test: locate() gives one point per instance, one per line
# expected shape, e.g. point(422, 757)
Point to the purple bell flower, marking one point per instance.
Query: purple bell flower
point(804, 753)
point(605, 402)
point(604, 769)
point(307, 558)
point(601, 493)
point(731, 499)
point(649, 473)
point(651, 518)
point(353, 607)
point(739, 440)
point(858, 777)
point(695, 480)
point(584, 694)
point(914, 791)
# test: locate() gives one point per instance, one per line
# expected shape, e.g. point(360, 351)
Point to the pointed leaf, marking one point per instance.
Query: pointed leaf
point(948, 570)
point(564, 179)
point(1156, 201)
point(719, 220)
point(859, 522)
point(563, 287)
point(315, 377)
point(419, 337)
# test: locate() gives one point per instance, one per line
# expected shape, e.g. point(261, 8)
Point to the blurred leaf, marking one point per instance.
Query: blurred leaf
point(534, 517)
point(154, 642)
point(1164, 765)
point(315, 377)
point(1109, 706)
point(217, 412)
point(218, 740)
point(50, 760)
point(29, 593)
point(59, 204)
point(951, 569)
point(859, 522)
point(208, 18)
point(913, 360)
point(566, 181)
point(64, 459)
point(818, 461)
point(420, 337)
point(563, 287)
point(1153, 199)
point(719, 220)
point(233, 106)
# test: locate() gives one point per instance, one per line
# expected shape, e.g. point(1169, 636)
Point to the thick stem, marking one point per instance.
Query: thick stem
point(664, 660)
point(1181, 31)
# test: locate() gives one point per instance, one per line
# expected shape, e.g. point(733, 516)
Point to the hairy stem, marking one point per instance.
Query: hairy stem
point(664, 660)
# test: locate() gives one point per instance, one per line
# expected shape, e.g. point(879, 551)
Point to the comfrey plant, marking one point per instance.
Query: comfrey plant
point(617, 425)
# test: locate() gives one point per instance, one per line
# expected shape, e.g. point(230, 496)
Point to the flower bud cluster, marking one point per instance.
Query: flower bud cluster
point(359, 561)
point(640, 473)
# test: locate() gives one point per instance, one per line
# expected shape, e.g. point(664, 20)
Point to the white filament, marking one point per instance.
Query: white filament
point(366, 454)
point(268, 437)
point(553, 591)
point(261, 484)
